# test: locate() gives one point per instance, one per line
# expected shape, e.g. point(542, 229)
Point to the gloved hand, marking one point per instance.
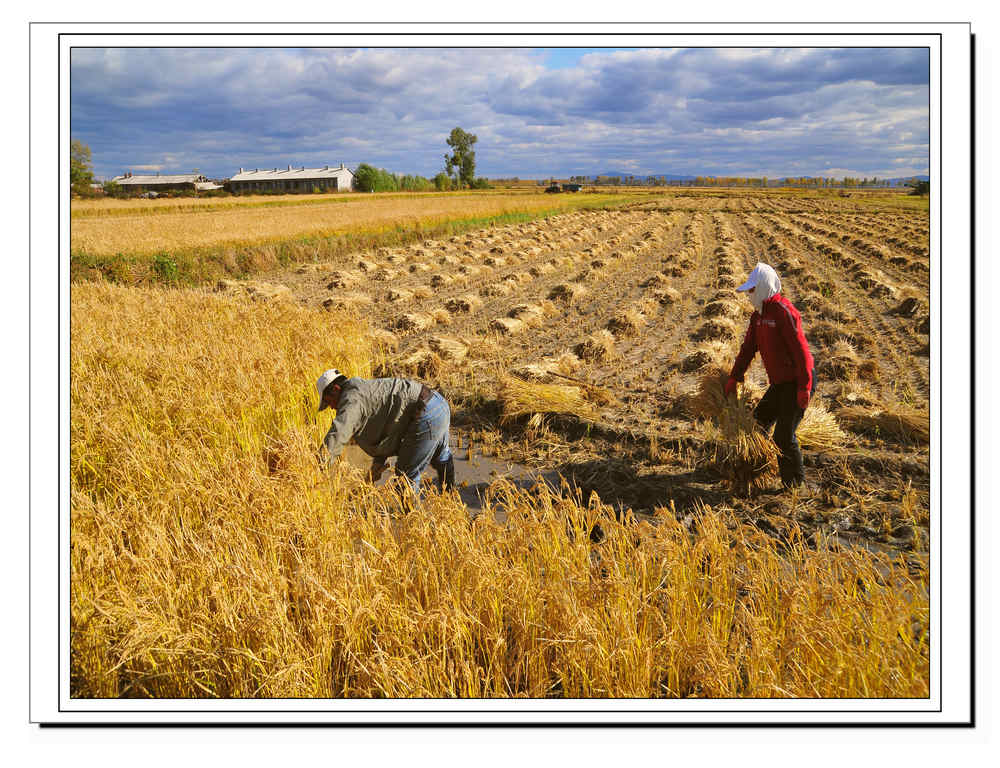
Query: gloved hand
point(375, 472)
point(803, 398)
point(730, 388)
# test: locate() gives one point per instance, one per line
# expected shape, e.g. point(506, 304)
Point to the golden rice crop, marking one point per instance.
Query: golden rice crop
point(213, 558)
point(242, 223)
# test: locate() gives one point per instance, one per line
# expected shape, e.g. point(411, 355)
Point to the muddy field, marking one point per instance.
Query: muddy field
point(639, 301)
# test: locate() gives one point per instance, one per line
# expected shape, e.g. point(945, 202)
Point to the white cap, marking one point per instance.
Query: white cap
point(761, 270)
point(326, 379)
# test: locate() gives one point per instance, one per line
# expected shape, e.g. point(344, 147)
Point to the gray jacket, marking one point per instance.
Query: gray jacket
point(375, 412)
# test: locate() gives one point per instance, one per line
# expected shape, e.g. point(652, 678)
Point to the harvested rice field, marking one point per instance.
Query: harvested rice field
point(587, 347)
point(638, 304)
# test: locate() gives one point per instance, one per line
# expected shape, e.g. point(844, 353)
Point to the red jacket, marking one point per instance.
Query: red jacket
point(777, 334)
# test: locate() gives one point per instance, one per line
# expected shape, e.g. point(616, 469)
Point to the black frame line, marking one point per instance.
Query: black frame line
point(471, 33)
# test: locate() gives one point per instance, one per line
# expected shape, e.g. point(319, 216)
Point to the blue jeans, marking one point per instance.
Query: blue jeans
point(425, 441)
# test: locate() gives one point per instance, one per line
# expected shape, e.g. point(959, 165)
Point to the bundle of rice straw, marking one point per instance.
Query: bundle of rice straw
point(448, 348)
point(508, 326)
point(666, 295)
point(542, 269)
point(523, 398)
point(567, 292)
point(441, 279)
point(384, 275)
point(399, 294)
point(627, 322)
point(717, 328)
point(721, 309)
point(743, 453)
point(819, 430)
point(415, 321)
point(343, 279)
point(306, 268)
point(382, 339)
point(349, 302)
point(530, 314)
point(423, 363)
point(599, 346)
point(912, 306)
point(267, 291)
point(708, 353)
point(902, 422)
point(841, 361)
point(465, 303)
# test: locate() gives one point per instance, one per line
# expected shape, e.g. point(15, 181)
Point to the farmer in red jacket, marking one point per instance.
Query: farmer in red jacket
point(776, 332)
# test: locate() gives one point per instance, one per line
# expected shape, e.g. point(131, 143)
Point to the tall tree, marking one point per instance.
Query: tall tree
point(461, 163)
point(80, 173)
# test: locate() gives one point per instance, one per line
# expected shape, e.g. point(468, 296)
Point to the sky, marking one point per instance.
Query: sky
point(537, 113)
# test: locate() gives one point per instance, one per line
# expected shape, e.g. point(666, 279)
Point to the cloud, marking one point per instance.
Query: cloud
point(761, 111)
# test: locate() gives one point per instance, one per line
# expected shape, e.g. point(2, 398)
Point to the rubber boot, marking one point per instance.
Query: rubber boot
point(446, 474)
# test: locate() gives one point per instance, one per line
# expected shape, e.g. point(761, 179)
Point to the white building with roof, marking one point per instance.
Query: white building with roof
point(291, 179)
point(159, 183)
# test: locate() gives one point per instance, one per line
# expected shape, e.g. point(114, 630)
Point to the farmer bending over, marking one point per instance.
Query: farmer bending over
point(390, 417)
point(776, 331)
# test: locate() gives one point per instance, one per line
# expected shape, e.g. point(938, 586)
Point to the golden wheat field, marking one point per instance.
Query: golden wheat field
point(151, 226)
point(211, 556)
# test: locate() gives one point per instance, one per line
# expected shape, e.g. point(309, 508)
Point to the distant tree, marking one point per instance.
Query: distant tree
point(442, 182)
point(365, 178)
point(480, 183)
point(461, 163)
point(921, 187)
point(81, 175)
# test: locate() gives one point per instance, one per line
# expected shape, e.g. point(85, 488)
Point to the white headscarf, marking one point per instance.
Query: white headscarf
point(763, 283)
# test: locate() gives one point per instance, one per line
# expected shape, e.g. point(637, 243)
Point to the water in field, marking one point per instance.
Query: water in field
point(474, 474)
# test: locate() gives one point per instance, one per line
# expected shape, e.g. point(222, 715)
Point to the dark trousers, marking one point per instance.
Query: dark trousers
point(779, 408)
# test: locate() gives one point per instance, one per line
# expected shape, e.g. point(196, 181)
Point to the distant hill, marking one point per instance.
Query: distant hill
point(668, 176)
point(676, 177)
